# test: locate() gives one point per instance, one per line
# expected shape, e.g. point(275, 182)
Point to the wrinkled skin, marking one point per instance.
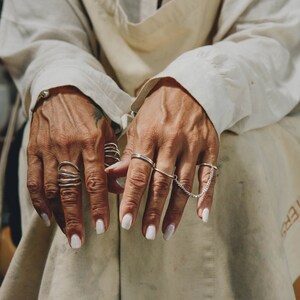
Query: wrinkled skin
point(69, 127)
point(174, 131)
point(171, 128)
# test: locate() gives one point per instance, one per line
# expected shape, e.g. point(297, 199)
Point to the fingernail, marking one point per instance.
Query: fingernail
point(169, 232)
point(205, 215)
point(127, 221)
point(100, 228)
point(45, 219)
point(75, 241)
point(151, 232)
point(112, 166)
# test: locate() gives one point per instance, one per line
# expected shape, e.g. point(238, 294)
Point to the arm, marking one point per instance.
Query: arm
point(45, 44)
point(49, 45)
point(249, 76)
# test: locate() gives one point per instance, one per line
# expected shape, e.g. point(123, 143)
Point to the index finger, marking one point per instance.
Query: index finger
point(138, 175)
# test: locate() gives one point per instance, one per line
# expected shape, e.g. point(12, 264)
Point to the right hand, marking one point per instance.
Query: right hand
point(69, 127)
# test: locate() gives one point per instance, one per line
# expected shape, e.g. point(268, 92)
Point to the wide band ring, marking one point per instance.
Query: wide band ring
point(67, 178)
point(144, 158)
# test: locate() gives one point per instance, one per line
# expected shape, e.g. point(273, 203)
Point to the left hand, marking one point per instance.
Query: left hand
point(173, 130)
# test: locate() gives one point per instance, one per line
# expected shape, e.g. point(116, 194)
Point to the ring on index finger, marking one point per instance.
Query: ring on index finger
point(67, 178)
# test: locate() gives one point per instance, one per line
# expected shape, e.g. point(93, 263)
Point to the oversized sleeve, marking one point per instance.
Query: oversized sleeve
point(249, 76)
point(46, 44)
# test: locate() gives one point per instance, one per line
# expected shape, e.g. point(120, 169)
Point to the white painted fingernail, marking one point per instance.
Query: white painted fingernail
point(151, 232)
point(169, 232)
point(127, 221)
point(75, 241)
point(113, 166)
point(45, 219)
point(121, 181)
point(100, 228)
point(205, 215)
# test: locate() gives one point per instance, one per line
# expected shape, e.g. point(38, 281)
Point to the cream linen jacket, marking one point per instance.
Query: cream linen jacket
point(244, 72)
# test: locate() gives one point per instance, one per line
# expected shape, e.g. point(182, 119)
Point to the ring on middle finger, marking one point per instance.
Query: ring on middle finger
point(172, 176)
point(144, 158)
point(67, 178)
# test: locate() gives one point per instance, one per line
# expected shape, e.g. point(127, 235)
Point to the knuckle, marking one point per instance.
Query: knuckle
point(138, 179)
point(89, 140)
point(73, 223)
point(153, 213)
point(187, 183)
point(94, 184)
point(62, 140)
point(33, 186)
point(37, 203)
point(51, 190)
point(97, 210)
point(160, 187)
point(69, 197)
point(131, 205)
point(175, 213)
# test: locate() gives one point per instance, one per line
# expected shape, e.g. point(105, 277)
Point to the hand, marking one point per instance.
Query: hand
point(69, 127)
point(173, 130)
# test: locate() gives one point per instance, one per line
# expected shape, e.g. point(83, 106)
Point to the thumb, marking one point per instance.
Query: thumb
point(119, 169)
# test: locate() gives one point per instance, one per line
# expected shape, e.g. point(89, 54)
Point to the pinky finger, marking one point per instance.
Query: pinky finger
point(207, 179)
point(35, 187)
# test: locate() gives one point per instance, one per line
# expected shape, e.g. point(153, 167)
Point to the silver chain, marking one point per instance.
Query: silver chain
point(205, 189)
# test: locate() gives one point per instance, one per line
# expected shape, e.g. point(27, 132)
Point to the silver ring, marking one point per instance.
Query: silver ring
point(111, 151)
point(164, 173)
point(205, 188)
point(208, 165)
point(67, 178)
point(68, 163)
point(144, 158)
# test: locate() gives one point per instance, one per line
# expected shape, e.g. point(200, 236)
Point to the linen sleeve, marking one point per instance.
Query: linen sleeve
point(46, 44)
point(250, 76)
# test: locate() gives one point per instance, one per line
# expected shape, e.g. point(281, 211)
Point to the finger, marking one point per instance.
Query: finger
point(120, 168)
point(207, 178)
point(115, 185)
point(158, 191)
point(35, 187)
point(137, 180)
point(185, 172)
point(112, 159)
point(96, 184)
point(71, 200)
point(51, 189)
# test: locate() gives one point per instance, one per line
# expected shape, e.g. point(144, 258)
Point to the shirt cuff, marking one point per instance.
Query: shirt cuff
point(203, 81)
point(93, 83)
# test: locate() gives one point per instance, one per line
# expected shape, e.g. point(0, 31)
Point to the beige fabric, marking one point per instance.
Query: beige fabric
point(249, 248)
point(239, 254)
point(148, 47)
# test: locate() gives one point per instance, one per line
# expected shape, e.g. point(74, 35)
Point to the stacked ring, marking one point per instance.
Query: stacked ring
point(112, 152)
point(67, 178)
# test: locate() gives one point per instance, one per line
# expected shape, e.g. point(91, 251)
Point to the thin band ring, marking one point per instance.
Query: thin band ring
point(208, 165)
point(164, 173)
point(144, 158)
